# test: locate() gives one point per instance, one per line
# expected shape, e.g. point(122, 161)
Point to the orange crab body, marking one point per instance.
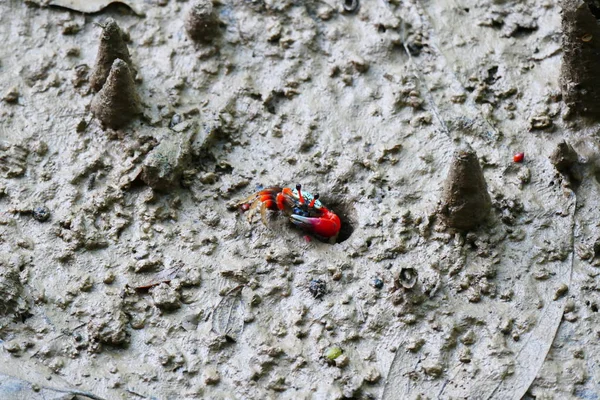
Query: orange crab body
point(303, 209)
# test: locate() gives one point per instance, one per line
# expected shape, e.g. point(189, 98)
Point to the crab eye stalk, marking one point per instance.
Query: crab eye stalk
point(298, 188)
point(315, 198)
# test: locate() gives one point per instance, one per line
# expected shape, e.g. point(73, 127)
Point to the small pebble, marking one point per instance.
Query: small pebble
point(41, 214)
point(342, 361)
point(211, 376)
point(561, 291)
point(377, 283)
point(175, 119)
point(12, 95)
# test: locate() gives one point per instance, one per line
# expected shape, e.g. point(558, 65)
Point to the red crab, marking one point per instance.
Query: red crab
point(303, 209)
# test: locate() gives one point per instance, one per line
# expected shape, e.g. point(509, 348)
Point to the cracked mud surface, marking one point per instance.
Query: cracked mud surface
point(114, 288)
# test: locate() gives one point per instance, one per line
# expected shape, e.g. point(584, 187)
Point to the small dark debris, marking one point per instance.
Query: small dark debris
point(317, 288)
point(414, 48)
point(377, 283)
point(41, 214)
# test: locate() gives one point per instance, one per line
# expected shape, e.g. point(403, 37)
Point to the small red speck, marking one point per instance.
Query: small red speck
point(307, 238)
point(245, 207)
point(519, 157)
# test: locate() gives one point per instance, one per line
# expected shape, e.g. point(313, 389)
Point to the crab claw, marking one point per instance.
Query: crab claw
point(327, 226)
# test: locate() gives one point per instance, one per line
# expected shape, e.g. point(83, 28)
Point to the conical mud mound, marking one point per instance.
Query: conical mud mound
point(112, 46)
point(201, 23)
point(117, 103)
point(465, 202)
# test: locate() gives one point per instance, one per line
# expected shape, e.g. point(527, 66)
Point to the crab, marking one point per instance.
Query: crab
point(303, 209)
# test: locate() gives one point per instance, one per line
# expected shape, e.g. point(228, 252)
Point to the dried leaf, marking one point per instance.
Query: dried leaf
point(228, 317)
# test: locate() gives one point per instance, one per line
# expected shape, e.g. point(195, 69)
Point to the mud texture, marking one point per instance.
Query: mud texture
point(127, 270)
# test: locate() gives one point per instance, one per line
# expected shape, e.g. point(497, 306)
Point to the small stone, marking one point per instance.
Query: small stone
point(81, 125)
point(12, 95)
point(377, 283)
point(40, 148)
point(373, 375)
point(163, 167)
point(12, 346)
point(561, 291)
point(474, 296)
point(108, 326)
point(570, 317)
point(506, 326)
point(415, 345)
point(359, 64)
point(433, 368)
point(41, 214)
point(540, 122)
point(317, 288)
point(342, 361)
point(109, 278)
point(468, 338)
point(564, 157)
point(71, 28)
point(176, 119)
point(86, 284)
point(465, 355)
point(165, 297)
point(325, 12)
point(211, 376)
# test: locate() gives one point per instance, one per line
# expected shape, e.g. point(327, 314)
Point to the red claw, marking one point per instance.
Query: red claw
point(327, 226)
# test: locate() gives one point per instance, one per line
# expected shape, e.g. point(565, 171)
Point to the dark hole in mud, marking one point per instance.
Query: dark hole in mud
point(351, 5)
point(492, 75)
point(273, 100)
point(25, 316)
point(594, 307)
point(256, 96)
point(597, 174)
point(524, 31)
point(594, 6)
